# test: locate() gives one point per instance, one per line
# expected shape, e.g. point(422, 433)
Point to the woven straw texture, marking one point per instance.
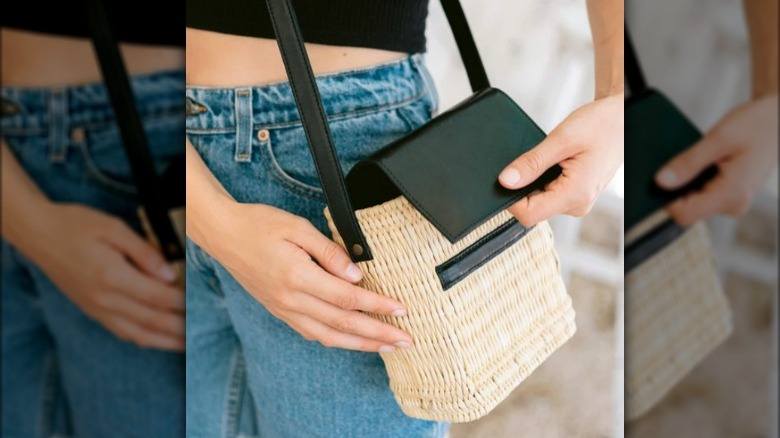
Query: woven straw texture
point(676, 314)
point(475, 342)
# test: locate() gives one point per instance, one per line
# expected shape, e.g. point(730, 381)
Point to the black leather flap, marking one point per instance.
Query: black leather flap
point(448, 169)
point(655, 132)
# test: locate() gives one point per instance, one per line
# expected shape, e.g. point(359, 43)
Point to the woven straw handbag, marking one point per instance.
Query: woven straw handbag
point(162, 197)
point(426, 220)
point(676, 311)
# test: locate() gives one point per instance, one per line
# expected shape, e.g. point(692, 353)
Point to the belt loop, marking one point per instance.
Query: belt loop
point(58, 123)
point(243, 125)
point(418, 61)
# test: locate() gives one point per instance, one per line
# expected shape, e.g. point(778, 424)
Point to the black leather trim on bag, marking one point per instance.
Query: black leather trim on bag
point(448, 169)
point(480, 252)
point(655, 131)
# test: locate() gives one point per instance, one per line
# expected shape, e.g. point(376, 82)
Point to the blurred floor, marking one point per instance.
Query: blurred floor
point(730, 392)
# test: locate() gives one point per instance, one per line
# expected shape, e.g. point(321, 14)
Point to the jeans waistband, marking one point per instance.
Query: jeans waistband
point(345, 93)
point(31, 109)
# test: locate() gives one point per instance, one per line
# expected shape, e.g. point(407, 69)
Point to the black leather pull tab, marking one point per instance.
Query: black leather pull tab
point(315, 125)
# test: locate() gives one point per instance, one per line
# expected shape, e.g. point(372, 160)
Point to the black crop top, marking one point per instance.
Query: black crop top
point(397, 25)
point(136, 21)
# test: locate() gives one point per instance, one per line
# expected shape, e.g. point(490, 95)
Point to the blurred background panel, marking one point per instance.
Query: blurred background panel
point(92, 316)
point(540, 53)
point(697, 53)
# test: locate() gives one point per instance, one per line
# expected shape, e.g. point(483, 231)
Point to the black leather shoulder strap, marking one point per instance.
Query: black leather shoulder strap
point(467, 47)
point(133, 136)
point(315, 123)
point(634, 76)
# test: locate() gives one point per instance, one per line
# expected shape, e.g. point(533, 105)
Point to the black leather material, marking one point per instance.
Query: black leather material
point(650, 243)
point(655, 132)
point(480, 252)
point(315, 123)
point(634, 76)
point(466, 45)
point(448, 169)
point(155, 201)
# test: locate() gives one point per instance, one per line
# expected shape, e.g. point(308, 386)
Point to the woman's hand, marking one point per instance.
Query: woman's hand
point(298, 274)
point(743, 146)
point(317, 299)
point(109, 271)
point(112, 274)
point(588, 145)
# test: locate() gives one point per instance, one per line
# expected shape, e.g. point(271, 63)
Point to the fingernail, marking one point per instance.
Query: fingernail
point(403, 344)
point(353, 272)
point(399, 312)
point(509, 176)
point(667, 177)
point(386, 349)
point(167, 273)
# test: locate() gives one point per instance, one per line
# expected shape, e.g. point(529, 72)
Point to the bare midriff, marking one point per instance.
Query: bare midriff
point(222, 60)
point(34, 60)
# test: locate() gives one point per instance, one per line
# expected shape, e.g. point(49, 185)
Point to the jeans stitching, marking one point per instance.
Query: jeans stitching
point(428, 83)
point(102, 177)
point(148, 120)
point(331, 118)
point(243, 113)
point(58, 121)
point(202, 262)
point(47, 395)
point(277, 173)
point(283, 174)
point(234, 394)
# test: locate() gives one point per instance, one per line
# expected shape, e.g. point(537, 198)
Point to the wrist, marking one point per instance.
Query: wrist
point(609, 89)
point(32, 228)
point(208, 217)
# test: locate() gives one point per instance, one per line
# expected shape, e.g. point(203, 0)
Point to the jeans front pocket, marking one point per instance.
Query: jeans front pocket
point(356, 136)
point(106, 161)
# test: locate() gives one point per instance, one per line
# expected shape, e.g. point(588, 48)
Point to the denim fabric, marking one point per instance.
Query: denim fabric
point(63, 374)
point(249, 373)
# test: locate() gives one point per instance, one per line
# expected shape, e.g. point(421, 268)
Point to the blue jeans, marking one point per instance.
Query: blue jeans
point(249, 373)
point(63, 373)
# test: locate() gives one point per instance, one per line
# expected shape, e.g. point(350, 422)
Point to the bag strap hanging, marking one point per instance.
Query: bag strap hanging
point(314, 120)
point(634, 75)
point(134, 138)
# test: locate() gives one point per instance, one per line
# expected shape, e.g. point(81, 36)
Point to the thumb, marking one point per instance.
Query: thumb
point(145, 256)
point(531, 165)
point(686, 166)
